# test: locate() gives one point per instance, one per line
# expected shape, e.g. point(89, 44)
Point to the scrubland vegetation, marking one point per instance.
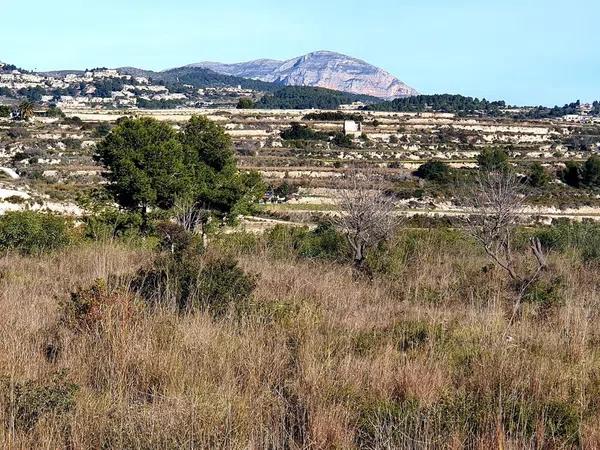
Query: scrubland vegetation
point(155, 321)
point(273, 341)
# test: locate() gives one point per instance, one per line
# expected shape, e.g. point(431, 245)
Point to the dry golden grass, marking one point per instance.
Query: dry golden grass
point(421, 358)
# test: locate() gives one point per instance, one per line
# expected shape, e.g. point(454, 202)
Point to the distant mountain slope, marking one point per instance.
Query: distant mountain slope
point(259, 69)
point(320, 69)
point(201, 78)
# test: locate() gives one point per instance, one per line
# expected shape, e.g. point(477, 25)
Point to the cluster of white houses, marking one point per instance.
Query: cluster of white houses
point(133, 88)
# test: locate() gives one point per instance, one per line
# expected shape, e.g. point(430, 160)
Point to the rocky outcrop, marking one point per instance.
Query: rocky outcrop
point(323, 69)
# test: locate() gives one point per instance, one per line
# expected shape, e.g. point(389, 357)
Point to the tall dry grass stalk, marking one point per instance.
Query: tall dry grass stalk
point(319, 360)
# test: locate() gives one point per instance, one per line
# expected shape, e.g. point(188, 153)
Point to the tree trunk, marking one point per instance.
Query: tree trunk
point(361, 266)
point(203, 233)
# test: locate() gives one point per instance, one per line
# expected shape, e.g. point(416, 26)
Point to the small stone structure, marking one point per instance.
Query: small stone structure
point(352, 128)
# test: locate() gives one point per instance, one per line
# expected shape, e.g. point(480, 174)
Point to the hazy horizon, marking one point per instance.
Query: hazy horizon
point(526, 53)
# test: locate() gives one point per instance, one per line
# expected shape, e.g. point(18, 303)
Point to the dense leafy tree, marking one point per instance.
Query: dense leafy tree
point(146, 164)
point(54, 111)
point(10, 68)
point(102, 130)
point(493, 159)
point(203, 78)
point(105, 87)
point(571, 174)
point(245, 103)
point(343, 140)
point(297, 131)
point(537, 175)
point(590, 172)
point(583, 139)
point(217, 184)
point(284, 190)
point(206, 144)
point(586, 174)
point(434, 170)
point(33, 94)
point(153, 166)
point(158, 104)
point(5, 111)
point(6, 92)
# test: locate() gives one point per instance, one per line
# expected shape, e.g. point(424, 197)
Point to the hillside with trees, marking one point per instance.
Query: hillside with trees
point(199, 78)
point(303, 97)
point(447, 103)
point(542, 112)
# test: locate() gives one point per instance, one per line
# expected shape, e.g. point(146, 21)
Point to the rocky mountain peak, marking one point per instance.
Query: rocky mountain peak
point(321, 69)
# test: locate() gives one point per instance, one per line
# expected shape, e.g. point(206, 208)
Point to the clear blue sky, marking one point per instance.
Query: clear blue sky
point(523, 51)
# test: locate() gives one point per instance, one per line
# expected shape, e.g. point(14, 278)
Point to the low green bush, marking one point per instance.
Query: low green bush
point(409, 245)
point(300, 132)
point(284, 241)
point(26, 402)
point(238, 243)
point(562, 422)
point(343, 140)
point(112, 224)
point(538, 176)
point(583, 237)
point(221, 284)
point(400, 423)
point(192, 282)
point(545, 294)
point(324, 242)
point(29, 232)
point(434, 170)
point(331, 116)
point(176, 239)
point(493, 159)
point(387, 424)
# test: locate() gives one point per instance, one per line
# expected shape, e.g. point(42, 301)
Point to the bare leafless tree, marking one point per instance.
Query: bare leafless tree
point(366, 215)
point(495, 204)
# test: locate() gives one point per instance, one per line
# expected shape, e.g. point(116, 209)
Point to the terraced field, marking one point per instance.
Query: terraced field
point(52, 162)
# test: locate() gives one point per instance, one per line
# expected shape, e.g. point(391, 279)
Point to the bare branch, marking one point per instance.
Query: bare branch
point(192, 216)
point(495, 204)
point(365, 213)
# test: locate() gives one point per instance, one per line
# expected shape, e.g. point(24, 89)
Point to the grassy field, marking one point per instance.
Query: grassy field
point(422, 356)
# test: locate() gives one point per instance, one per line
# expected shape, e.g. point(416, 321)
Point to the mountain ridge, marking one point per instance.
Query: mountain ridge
point(323, 68)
